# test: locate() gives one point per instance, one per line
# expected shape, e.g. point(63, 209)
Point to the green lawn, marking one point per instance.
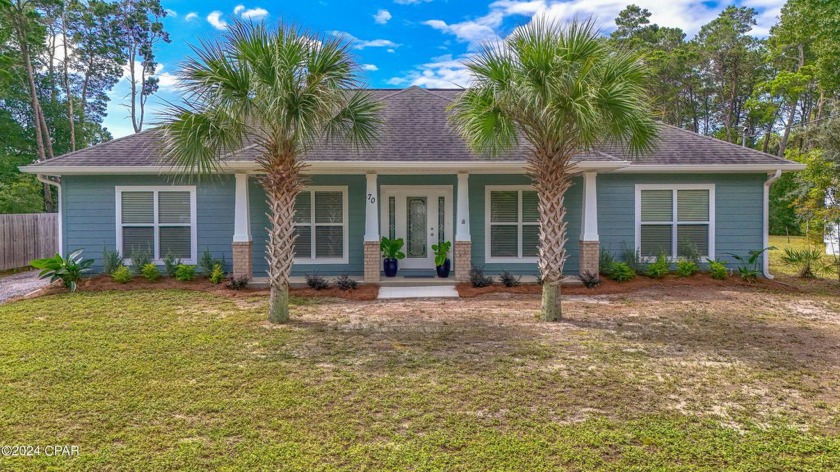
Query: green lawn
point(777, 266)
point(678, 380)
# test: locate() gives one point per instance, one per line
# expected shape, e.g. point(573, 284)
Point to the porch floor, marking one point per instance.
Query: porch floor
point(440, 291)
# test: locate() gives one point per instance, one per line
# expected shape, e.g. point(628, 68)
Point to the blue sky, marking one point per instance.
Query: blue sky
point(402, 42)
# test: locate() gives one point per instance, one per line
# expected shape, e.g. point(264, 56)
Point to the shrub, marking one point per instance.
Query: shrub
point(621, 272)
point(207, 264)
point(718, 270)
point(690, 252)
point(509, 280)
point(237, 283)
point(122, 275)
point(807, 261)
point(605, 261)
point(68, 270)
point(170, 264)
point(478, 279)
point(748, 268)
point(344, 282)
point(217, 275)
point(111, 261)
point(139, 258)
point(590, 280)
point(150, 272)
point(659, 268)
point(317, 282)
point(185, 272)
point(633, 258)
point(687, 268)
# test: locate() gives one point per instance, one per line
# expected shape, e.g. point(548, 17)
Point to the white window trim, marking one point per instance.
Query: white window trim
point(156, 257)
point(487, 224)
point(675, 222)
point(345, 236)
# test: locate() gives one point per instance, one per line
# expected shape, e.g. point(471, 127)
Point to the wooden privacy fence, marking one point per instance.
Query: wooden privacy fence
point(26, 237)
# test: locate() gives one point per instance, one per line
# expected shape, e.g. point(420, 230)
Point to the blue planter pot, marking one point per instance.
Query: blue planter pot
point(443, 270)
point(390, 267)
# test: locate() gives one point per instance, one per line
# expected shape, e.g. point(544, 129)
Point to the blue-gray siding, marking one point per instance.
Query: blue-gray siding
point(89, 218)
point(89, 213)
point(738, 209)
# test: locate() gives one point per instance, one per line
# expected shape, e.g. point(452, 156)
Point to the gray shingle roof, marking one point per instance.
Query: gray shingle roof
point(416, 129)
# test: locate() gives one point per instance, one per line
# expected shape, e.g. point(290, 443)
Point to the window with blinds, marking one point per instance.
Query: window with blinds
point(673, 219)
point(513, 224)
point(320, 225)
point(159, 221)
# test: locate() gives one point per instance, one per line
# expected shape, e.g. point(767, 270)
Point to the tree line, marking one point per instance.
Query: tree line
point(59, 59)
point(58, 62)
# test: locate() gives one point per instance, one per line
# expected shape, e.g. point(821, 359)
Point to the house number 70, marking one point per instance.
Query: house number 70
point(371, 198)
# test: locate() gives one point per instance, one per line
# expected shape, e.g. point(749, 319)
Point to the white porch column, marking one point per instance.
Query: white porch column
point(589, 240)
point(242, 241)
point(463, 241)
point(372, 255)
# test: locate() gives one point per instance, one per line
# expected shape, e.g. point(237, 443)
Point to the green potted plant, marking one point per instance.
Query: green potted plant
point(391, 252)
point(442, 262)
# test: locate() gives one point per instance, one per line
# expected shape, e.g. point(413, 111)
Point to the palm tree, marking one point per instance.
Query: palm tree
point(280, 90)
point(563, 91)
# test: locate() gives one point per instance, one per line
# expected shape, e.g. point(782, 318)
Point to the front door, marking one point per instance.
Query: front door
point(421, 216)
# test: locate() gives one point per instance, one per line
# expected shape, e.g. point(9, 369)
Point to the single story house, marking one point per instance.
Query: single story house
point(421, 183)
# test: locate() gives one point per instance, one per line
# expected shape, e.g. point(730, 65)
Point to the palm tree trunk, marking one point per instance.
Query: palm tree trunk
point(282, 182)
point(551, 178)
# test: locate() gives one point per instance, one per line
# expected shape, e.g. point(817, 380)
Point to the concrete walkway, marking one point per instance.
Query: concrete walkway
point(438, 291)
point(19, 284)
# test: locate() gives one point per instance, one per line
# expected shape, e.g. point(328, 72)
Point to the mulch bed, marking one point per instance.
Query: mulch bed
point(609, 287)
point(101, 283)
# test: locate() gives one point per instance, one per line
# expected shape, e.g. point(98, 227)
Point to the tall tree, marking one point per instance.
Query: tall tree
point(282, 90)
point(730, 60)
point(564, 91)
point(141, 23)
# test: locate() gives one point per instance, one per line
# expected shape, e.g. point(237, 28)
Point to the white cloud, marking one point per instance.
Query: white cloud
point(370, 67)
point(238, 8)
point(215, 19)
point(441, 72)
point(362, 44)
point(167, 80)
point(390, 50)
point(689, 15)
point(191, 16)
point(382, 16)
point(171, 13)
point(254, 13)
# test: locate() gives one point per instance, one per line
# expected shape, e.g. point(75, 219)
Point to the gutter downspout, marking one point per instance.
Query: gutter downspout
point(57, 184)
point(765, 262)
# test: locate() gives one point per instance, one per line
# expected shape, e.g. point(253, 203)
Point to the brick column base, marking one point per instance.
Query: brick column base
point(243, 264)
point(590, 256)
point(373, 261)
point(463, 260)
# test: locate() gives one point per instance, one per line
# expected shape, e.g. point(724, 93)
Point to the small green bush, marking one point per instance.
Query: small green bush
point(317, 282)
point(139, 258)
point(111, 261)
point(150, 272)
point(633, 258)
point(621, 272)
point(590, 279)
point(509, 280)
point(122, 275)
point(659, 268)
point(69, 270)
point(718, 270)
point(217, 275)
point(237, 283)
point(605, 261)
point(478, 279)
point(687, 268)
point(690, 252)
point(170, 264)
point(185, 272)
point(344, 282)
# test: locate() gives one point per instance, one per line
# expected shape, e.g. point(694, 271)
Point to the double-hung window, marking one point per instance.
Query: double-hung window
point(321, 226)
point(513, 224)
point(672, 218)
point(160, 220)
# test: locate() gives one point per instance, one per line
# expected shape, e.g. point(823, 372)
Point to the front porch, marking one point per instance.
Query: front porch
point(462, 207)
